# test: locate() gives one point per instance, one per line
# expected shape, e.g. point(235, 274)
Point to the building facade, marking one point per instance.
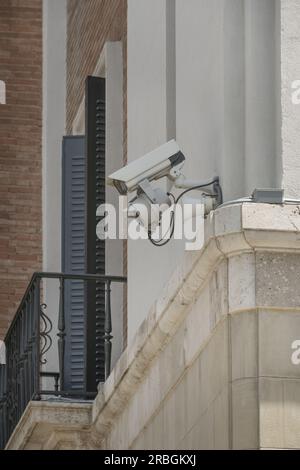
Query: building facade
point(205, 343)
point(21, 145)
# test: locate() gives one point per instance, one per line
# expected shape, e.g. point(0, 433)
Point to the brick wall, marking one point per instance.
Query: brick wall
point(20, 150)
point(91, 23)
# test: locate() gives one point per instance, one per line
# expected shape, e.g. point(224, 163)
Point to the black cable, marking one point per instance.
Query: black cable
point(193, 188)
point(172, 221)
point(172, 195)
point(170, 229)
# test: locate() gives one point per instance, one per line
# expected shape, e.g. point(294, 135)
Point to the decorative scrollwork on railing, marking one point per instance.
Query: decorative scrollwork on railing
point(29, 339)
point(46, 328)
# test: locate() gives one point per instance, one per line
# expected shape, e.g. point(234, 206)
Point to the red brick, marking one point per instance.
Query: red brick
point(20, 151)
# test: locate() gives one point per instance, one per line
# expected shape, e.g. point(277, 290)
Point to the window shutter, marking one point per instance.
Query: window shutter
point(73, 259)
point(95, 249)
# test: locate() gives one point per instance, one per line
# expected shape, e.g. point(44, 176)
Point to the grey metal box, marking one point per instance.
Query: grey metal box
point(269, 196)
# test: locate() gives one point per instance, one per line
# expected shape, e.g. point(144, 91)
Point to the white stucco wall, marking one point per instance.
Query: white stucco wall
point(227, 107)
point(54, 112)
point(149, 126)
point(261, 99)
point(226, 91)
point(114, 160)
point(290, 72)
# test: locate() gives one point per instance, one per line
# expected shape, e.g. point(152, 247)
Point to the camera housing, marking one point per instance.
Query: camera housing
point(152, 166)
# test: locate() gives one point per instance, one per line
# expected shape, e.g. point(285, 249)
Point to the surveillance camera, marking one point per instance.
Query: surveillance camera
point(152, 166)
point(150, 202)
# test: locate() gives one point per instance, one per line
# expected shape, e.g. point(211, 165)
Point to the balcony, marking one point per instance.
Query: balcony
point(42, 348)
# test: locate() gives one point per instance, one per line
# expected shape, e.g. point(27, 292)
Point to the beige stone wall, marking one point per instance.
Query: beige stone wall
point(225, 380)
point(194, 413)
point(183, 401)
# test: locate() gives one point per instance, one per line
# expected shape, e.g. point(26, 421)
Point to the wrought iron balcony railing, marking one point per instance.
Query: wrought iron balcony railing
point(32, 335)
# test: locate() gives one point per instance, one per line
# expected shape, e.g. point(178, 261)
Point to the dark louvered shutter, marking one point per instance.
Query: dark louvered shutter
point(74, 258)
point(95, 249)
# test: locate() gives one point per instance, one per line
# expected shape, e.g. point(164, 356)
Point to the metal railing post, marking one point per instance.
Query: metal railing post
point(61, 331)
point(37, 302)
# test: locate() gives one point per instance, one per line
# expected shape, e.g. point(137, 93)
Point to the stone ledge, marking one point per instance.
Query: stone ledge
point(70, 416)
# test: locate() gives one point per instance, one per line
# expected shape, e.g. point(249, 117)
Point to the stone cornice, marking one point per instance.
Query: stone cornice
point(73, 416)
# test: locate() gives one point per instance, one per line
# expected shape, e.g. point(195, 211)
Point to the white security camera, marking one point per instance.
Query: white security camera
point(149, 202)
point(152, 166)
